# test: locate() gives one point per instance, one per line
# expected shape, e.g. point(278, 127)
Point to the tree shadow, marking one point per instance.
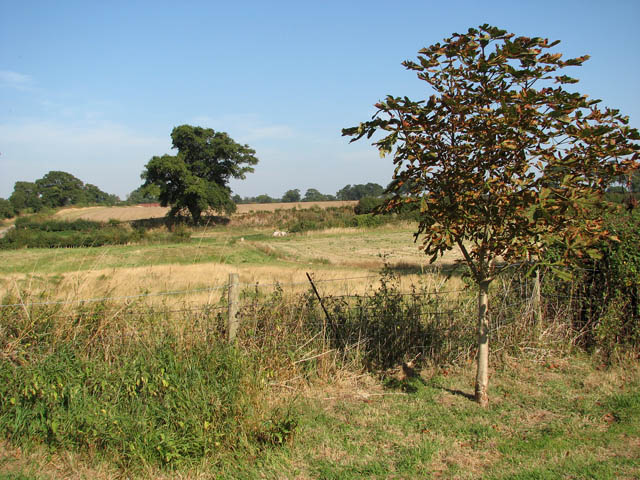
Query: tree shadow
point(458, 393)
point(170, 223)
point(406, 385)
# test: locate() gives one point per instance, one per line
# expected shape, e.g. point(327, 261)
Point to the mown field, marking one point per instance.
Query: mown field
point(148, 388)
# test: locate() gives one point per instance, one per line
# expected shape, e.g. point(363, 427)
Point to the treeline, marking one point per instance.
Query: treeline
point(348, 192)
point(53, 190)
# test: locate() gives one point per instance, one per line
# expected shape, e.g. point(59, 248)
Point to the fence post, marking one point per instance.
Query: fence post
point(537, 303)
point(232, 320)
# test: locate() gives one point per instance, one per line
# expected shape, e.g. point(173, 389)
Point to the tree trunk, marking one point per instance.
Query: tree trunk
point(482, 375)
point(195, 214)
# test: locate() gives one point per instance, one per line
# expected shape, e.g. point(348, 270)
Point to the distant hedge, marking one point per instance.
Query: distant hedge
point(28, 238)
point(28, 223)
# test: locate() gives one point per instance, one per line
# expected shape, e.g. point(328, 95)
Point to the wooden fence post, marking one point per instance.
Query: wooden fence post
point(232, 321)
point(537, 301)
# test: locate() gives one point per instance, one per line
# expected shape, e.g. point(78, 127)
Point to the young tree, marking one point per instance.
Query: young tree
point(501, 158)
point(196, 179)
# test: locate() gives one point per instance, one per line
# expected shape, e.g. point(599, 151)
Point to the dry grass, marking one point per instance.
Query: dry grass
point(139, 212)
point(122, 282)
point(103, 214)
point(328, 255)
point(272, 207)
point(364, 248)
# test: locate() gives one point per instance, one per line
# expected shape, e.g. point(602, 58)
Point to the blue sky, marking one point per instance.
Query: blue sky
point(95, 88)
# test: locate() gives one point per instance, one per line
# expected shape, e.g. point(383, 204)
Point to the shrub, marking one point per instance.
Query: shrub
point(44, 233)
point(368, 205)
point(603, 293)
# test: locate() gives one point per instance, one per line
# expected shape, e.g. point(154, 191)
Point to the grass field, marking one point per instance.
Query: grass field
point(208, 259)
point(554, 412)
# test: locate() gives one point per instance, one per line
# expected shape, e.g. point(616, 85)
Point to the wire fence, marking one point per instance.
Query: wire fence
point(383, 325)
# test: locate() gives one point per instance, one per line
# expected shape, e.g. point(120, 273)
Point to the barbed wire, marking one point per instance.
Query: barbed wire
point(179, 292)
point(256, 285)
point(104, 299)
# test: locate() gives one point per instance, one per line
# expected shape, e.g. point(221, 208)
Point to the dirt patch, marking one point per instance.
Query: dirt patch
point(462, 456)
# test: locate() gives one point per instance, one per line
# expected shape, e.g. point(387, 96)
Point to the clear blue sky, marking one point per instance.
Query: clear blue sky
point(95, 88)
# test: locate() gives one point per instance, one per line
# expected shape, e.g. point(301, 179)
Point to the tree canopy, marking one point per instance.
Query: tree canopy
point(291, 196)
point(57, 189)
point(6, 209)
point(196, 179)
point(356, 192)
point(148, 194)
point(313, 195)
point(501, 158)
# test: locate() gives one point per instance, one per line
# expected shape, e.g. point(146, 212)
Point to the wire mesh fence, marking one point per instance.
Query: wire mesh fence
point(381, 327)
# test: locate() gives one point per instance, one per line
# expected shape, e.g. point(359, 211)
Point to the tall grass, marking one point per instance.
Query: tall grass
point(137, 388)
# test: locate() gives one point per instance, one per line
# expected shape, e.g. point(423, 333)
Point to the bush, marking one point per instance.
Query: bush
point(368, 205)
point(603, 293)
point(34, 232)
point(369, 220)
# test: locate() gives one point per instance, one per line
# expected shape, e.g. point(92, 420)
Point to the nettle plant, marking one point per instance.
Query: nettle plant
point(501, 158)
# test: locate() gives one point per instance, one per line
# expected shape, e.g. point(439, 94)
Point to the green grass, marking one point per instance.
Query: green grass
point(219, 246)
point(553, 418)
point(557, 429)
point(221, 249)
point(580, 422)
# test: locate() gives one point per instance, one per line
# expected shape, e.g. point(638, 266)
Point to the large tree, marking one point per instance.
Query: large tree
point(197, 178)
point(59, 189)
point(6, 209)
point(501, 158)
